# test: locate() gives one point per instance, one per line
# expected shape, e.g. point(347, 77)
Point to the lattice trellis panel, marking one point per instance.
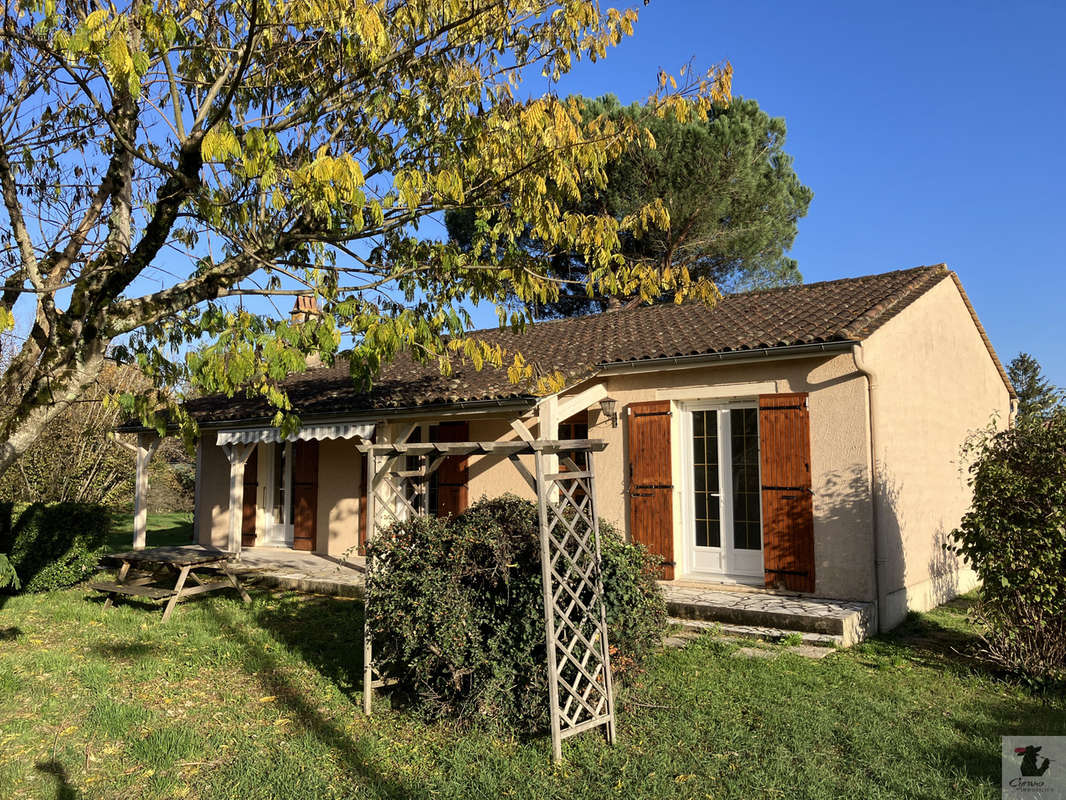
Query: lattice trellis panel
point(393, 495)
point(579, 667)
point(579, 664)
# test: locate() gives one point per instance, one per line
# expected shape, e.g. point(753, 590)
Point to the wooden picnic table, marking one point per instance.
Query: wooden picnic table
point(157, 568)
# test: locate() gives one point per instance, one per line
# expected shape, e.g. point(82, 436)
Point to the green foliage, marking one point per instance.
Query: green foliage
point(636, 611)
point(732, 199)
point(1014, 536)
point(197, 155)
point(53, 546)
point(458, 614)
point(1036, 395)
point(73, 460)
point(8, 576)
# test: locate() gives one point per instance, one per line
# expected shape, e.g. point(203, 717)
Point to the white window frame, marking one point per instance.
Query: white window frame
point(730, 571)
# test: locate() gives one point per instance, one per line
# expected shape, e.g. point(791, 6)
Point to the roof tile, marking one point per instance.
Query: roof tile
point(832, 311)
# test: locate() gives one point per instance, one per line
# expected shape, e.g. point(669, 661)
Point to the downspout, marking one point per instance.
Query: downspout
point(871, 386)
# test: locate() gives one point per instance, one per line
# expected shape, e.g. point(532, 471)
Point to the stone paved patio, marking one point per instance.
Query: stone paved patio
point(754, 613)
point(305, 572)
point(849, 620)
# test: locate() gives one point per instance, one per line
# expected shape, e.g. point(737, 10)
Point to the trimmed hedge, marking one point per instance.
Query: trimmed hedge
point(54, 546)
point(458, 614)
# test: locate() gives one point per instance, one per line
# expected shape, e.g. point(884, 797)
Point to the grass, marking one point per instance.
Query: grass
point(262, 701)
point(163, 529)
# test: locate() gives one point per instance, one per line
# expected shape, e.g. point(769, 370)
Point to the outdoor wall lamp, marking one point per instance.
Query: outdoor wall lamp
point(607, 406)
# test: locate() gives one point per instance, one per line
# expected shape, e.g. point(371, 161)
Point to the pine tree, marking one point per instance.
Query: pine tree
point(1036, 395)
point(726, 182)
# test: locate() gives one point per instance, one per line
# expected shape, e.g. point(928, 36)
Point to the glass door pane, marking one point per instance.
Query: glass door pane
point(744, 444)
point(279, 490)
point(705, 479)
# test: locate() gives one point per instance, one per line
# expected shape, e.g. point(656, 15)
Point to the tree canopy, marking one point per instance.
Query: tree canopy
point(729, 189)
point(1036, 395)
point(163, 162)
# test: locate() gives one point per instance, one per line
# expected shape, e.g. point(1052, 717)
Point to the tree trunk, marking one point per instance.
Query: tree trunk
point(31, 415)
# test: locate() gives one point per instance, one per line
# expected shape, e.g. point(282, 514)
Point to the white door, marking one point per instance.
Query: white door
point(723, 497)
point(274, 527)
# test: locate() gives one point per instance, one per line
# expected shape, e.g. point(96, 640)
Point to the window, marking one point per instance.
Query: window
point(576, 427)
point(744, 436)
point(705, 478)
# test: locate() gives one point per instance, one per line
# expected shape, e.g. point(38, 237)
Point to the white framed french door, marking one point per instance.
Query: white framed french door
point(722, 490)
point(274, 520)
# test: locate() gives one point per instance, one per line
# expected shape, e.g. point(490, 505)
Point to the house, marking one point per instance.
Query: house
point(804, 440)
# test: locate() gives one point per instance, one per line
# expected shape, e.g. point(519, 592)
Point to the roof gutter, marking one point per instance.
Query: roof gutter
point(733, 356)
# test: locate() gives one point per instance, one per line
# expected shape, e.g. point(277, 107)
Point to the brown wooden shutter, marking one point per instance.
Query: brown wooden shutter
point(251, 491)
point(787, 500)
point(651, 505)
point(304, 494)
point(453, 474)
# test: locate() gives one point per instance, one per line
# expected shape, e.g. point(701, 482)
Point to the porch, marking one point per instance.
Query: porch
point(313, 573)
point(736, 611)
point(762, 614)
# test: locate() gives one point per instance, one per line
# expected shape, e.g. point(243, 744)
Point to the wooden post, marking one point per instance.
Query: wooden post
point(238, 456)
point(549, 606)
point(605, 648)
point(371, 530)
point(548, 415)
point(196, 502)
point(146, 446)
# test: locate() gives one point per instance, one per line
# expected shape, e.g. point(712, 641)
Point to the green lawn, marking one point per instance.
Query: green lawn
point(163, 529)
point(228, 701)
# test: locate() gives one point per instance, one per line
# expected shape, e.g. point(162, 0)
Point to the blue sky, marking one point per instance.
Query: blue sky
point(929, 133)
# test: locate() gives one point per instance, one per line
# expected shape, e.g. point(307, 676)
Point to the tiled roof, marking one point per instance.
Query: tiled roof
point(832, 311)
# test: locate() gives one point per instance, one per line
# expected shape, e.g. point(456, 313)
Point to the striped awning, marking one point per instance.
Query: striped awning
point(335, 430)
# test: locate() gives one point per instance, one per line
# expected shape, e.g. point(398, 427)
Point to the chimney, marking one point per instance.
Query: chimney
point(306, 307)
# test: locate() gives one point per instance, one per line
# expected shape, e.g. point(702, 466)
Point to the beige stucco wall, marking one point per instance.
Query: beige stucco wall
point(340, 476)
point(935, 383)
point(843, 543)
point(339, 486)
point(842, 510)
point(490, 475)
point(212, 512)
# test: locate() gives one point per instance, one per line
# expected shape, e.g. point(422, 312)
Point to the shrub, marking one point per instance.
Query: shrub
point(458, 614)
point(1014, 536)
point(8, 576)
point(53, 546)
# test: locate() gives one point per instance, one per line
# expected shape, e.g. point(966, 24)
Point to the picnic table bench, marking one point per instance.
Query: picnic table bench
point(162, 573)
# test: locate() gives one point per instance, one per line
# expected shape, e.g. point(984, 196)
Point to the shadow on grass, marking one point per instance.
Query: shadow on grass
point(943, 639)
point(64, 791)
point(327, 633)
point(130, 650)
point(9, 634)
point(306, 625)
point(976, 751)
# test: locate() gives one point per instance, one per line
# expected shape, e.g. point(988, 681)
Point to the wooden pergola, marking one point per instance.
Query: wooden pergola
point(575, 623)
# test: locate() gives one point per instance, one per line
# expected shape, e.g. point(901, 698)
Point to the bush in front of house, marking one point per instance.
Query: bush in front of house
point(52, 546)
point(1014, 536)
point(457, 610)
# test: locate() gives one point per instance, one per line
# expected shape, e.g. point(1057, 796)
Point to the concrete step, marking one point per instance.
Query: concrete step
point(688, 629)
point(849, 621)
